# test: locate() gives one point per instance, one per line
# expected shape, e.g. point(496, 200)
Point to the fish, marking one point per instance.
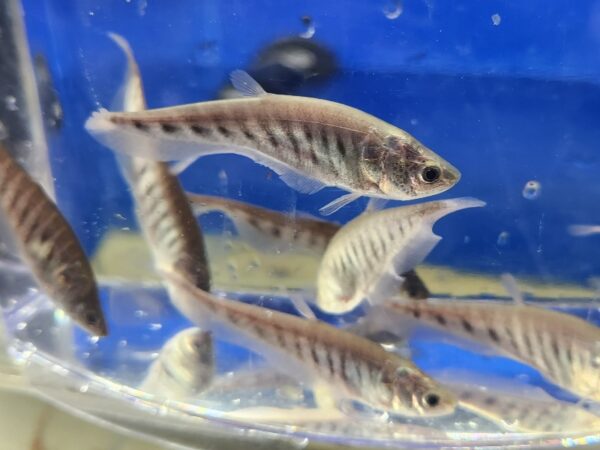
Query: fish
point(267, 229)
point(336, 362)
point(49, 246)
point(526, 409)
point(310, 143)
point(365, 260)
point(162, 208)
point(275, 232)
point(563, 348)
point(185, 366)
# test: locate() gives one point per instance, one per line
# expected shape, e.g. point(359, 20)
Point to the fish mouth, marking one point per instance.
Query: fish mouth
point(451, 174)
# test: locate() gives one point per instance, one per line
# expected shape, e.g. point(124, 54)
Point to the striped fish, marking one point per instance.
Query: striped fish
point(49, 246)
point(310, 143)
point(162, 208)
point(563, 348)
point(366, 259)
point(185, 366)
point(520, 408)
point(274, 232)
point(346, 365)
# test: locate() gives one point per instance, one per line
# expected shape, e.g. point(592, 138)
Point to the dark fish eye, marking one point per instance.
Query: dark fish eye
point(91, 318)
point(432, 399)
point(431, 174)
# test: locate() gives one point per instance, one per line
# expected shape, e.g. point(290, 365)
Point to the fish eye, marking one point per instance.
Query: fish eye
point(91, 318)
point(432, 399)
point(431, 174)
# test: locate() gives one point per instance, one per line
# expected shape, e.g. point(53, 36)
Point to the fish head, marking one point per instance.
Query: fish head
point(409, 392)
point(79, 294)
point(407, 170)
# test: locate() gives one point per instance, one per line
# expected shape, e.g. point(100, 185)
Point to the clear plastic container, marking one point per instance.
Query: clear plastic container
point(507, 93)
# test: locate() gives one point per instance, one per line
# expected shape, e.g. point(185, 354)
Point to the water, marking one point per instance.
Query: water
point(507, 94)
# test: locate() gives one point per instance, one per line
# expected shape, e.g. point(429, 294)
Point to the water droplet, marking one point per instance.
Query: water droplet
point(142, 5)
point(10, 102)
point(496, 19)
point(309, 27)
point(503, 239)
point(532, 190)
point(155, 326)
point(393, 9)
point(3, 132)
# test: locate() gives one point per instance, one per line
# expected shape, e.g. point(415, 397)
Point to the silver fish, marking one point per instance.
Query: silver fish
point(185, 366)
point(162, 208)
point(366, 259)
point(49, 246)
point(344, 364)
point(310, 143)
point(274, 232)
point(519, 408)
point(563, 348)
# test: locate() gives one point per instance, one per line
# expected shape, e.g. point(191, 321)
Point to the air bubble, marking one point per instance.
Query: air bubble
point(93, 339)
point(310, 27)
point(155, 326)
point(139, 313)
point(21, 326)
point(84, 388)
point(393, 9)
point(503, 238)
point(496, 19)
point(532, 190)
point(122, 343)
point(10, 102)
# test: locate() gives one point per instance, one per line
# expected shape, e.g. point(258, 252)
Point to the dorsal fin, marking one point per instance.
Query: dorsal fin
point(246, 84)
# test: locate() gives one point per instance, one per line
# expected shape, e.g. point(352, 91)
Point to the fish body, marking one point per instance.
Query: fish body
point(365, 260)
point(525, 412)
point(310, 143)
point(267, 229)
point(563, 348)
point(273, 231)
point(349, 366)
point(49, 246)
point(185, 365)
point(162, 208)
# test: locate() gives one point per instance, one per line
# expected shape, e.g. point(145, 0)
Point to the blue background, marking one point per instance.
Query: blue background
point(505, 104)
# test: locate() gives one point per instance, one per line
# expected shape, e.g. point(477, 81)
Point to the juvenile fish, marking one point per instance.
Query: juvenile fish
point(310, 143)
point(365, 260)
point(349, 366)
point(274, 232)
point(49, 246)
point(266, 229)
point(162, 208)
point(184, 367)
point(530, 411)
point(563, 348)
